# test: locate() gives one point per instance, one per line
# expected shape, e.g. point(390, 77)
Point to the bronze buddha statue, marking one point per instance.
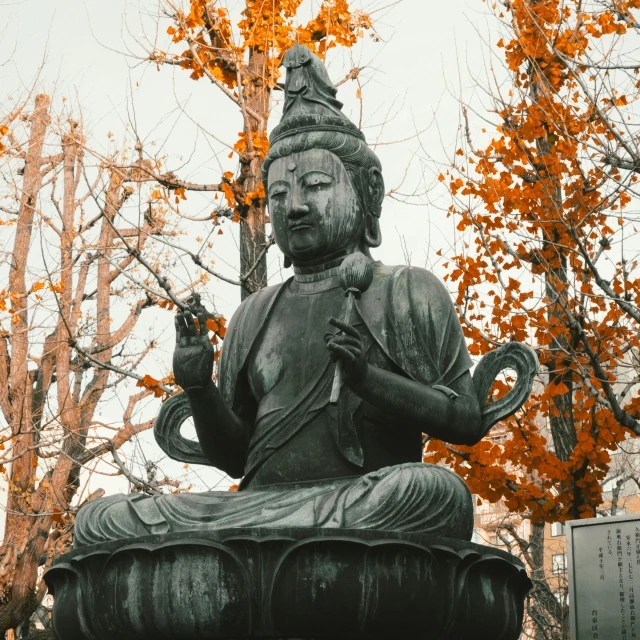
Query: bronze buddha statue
point(304, 461)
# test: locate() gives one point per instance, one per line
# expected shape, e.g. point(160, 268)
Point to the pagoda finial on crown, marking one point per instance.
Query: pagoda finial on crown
point(310, 98)
point(308, 88)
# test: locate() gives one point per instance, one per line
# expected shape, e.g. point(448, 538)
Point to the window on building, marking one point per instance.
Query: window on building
point(502, 540)
point(559, 562)
point(557, 529)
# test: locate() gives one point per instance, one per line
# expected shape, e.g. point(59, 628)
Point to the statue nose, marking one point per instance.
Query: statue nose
point(298, 208)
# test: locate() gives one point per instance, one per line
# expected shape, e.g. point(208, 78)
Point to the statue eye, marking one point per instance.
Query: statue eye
point(275, 192)
point(317, 181)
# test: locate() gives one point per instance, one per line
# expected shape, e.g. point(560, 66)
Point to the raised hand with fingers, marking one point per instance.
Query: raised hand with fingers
point(348, 347)
point(193, 355)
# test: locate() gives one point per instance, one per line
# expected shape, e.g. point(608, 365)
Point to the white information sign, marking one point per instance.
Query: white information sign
point(604, 577)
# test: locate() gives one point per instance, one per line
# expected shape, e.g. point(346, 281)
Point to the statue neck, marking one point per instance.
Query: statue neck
point(325, 268)
point(317, 272)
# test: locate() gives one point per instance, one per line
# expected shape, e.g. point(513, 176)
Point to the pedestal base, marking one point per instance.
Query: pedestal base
point(288, 583)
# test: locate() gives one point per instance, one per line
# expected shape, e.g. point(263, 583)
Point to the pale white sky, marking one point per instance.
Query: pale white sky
point(84, 52)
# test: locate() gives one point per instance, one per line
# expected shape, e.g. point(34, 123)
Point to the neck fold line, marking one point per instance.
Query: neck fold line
point(317, 272)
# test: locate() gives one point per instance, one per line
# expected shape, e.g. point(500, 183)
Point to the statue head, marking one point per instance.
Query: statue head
point(324, 184)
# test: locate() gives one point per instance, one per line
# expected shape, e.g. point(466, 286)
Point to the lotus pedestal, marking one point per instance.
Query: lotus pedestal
point(288, 583)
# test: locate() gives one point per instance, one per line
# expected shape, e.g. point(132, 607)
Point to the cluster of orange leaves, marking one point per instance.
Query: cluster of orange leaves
point(16, 302)
point(231, 191)
point(270, 27)
point(4, 129)
point(235, 196)
point(259, 141)
point(265, 31)
point(266, 28)
point(506, 195)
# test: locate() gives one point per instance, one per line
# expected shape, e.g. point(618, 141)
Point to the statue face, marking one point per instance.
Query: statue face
point(313, 207)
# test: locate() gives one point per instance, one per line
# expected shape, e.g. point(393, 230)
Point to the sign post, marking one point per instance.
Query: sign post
point(603, 557)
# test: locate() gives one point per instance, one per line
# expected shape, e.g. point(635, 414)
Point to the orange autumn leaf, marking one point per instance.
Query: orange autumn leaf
point(57, 287)
point(37, 286)
point(152, 384)
point(558, 389)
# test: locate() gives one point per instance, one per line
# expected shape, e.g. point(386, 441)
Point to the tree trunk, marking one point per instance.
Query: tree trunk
point(252, 233)
point(550, 618)
point(561, 418)
point(537, 576)
point(22, 546)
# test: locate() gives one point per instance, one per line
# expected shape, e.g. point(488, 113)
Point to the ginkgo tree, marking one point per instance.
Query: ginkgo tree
point(544, 195)
point(241, 60)
point(73, 303)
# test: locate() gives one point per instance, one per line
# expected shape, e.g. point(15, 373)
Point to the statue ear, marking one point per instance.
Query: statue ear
point(372, 233)
point(376, 191)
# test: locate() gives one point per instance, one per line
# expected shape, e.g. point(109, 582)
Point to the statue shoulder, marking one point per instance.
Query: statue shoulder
point(420, 327)
point(257, 302)
point(406, 280)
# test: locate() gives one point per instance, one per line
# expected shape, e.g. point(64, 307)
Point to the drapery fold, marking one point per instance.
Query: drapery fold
point(412, 498)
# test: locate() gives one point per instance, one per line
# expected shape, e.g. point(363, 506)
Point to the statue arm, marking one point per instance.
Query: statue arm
point(223, 436)
point(435, 391)
point(451, 414)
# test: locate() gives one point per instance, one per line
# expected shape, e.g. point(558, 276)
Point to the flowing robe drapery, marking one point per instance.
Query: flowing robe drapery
point(407, 311)
point(410, 316)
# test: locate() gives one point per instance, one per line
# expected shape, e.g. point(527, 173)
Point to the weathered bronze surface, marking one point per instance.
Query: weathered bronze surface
point(289, 583)
point(345, 462)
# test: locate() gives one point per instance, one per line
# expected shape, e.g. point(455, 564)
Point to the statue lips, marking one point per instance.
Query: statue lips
point(299, 226)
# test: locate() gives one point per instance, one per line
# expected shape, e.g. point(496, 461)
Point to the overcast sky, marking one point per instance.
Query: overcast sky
point(415, 74)
point(83, 52)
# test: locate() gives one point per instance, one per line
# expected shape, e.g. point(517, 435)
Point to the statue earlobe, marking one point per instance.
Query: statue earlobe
point(372, 233)
point(287, 262)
